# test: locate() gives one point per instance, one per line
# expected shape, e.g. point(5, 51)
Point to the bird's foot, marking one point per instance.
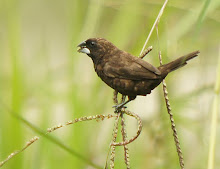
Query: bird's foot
point(118, 107)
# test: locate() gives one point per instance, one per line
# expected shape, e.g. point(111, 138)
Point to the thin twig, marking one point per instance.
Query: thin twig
point(95, 117)
point(176, 139)
point(148, 50)
point(124, 137)
point(19, 151)
point(112, 147)
point(49, 137)
point(156, 21)
point(138, 132)
point(173, 126)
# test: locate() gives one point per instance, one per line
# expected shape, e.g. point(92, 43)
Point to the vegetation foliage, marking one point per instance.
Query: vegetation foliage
point(44, 82)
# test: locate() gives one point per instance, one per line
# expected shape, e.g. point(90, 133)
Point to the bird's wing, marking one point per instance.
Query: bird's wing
point(132, 68)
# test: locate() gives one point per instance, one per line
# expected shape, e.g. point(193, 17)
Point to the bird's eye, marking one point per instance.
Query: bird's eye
point(92, 43)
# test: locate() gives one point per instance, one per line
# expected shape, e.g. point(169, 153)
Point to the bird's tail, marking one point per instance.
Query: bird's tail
point(178, 63)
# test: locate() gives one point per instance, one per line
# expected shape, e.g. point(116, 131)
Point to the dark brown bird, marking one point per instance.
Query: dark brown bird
point(127, 74)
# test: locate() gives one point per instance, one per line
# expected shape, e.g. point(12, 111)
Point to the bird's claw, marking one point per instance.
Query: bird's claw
point(119, 107)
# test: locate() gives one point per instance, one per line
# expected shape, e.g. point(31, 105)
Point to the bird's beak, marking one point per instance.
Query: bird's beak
point(83, 48)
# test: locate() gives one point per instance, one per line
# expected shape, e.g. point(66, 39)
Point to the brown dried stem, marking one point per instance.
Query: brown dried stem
point(146, 52)
point(19, 151)
point(114, 134)
point(95, 117)
point(154, 25)
point(124, 137)
point(173, 126)
point(123, 131)
point(138, 132)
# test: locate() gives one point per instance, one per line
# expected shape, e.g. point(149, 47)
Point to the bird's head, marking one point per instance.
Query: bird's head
point(96, 48)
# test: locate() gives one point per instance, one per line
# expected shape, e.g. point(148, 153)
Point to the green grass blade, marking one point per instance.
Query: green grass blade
point(214, 121)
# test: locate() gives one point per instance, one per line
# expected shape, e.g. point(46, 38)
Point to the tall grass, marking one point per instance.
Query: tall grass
point(45, 81)
point(214, 122)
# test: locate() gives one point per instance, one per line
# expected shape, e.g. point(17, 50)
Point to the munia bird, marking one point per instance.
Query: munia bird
point(127, 74)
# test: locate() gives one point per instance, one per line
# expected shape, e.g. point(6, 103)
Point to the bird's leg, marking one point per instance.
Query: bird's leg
point(118, 107)
point(115, 97)
point(123, 97)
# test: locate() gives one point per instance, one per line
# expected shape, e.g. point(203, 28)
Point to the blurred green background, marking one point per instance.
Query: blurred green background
point(45, 81)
